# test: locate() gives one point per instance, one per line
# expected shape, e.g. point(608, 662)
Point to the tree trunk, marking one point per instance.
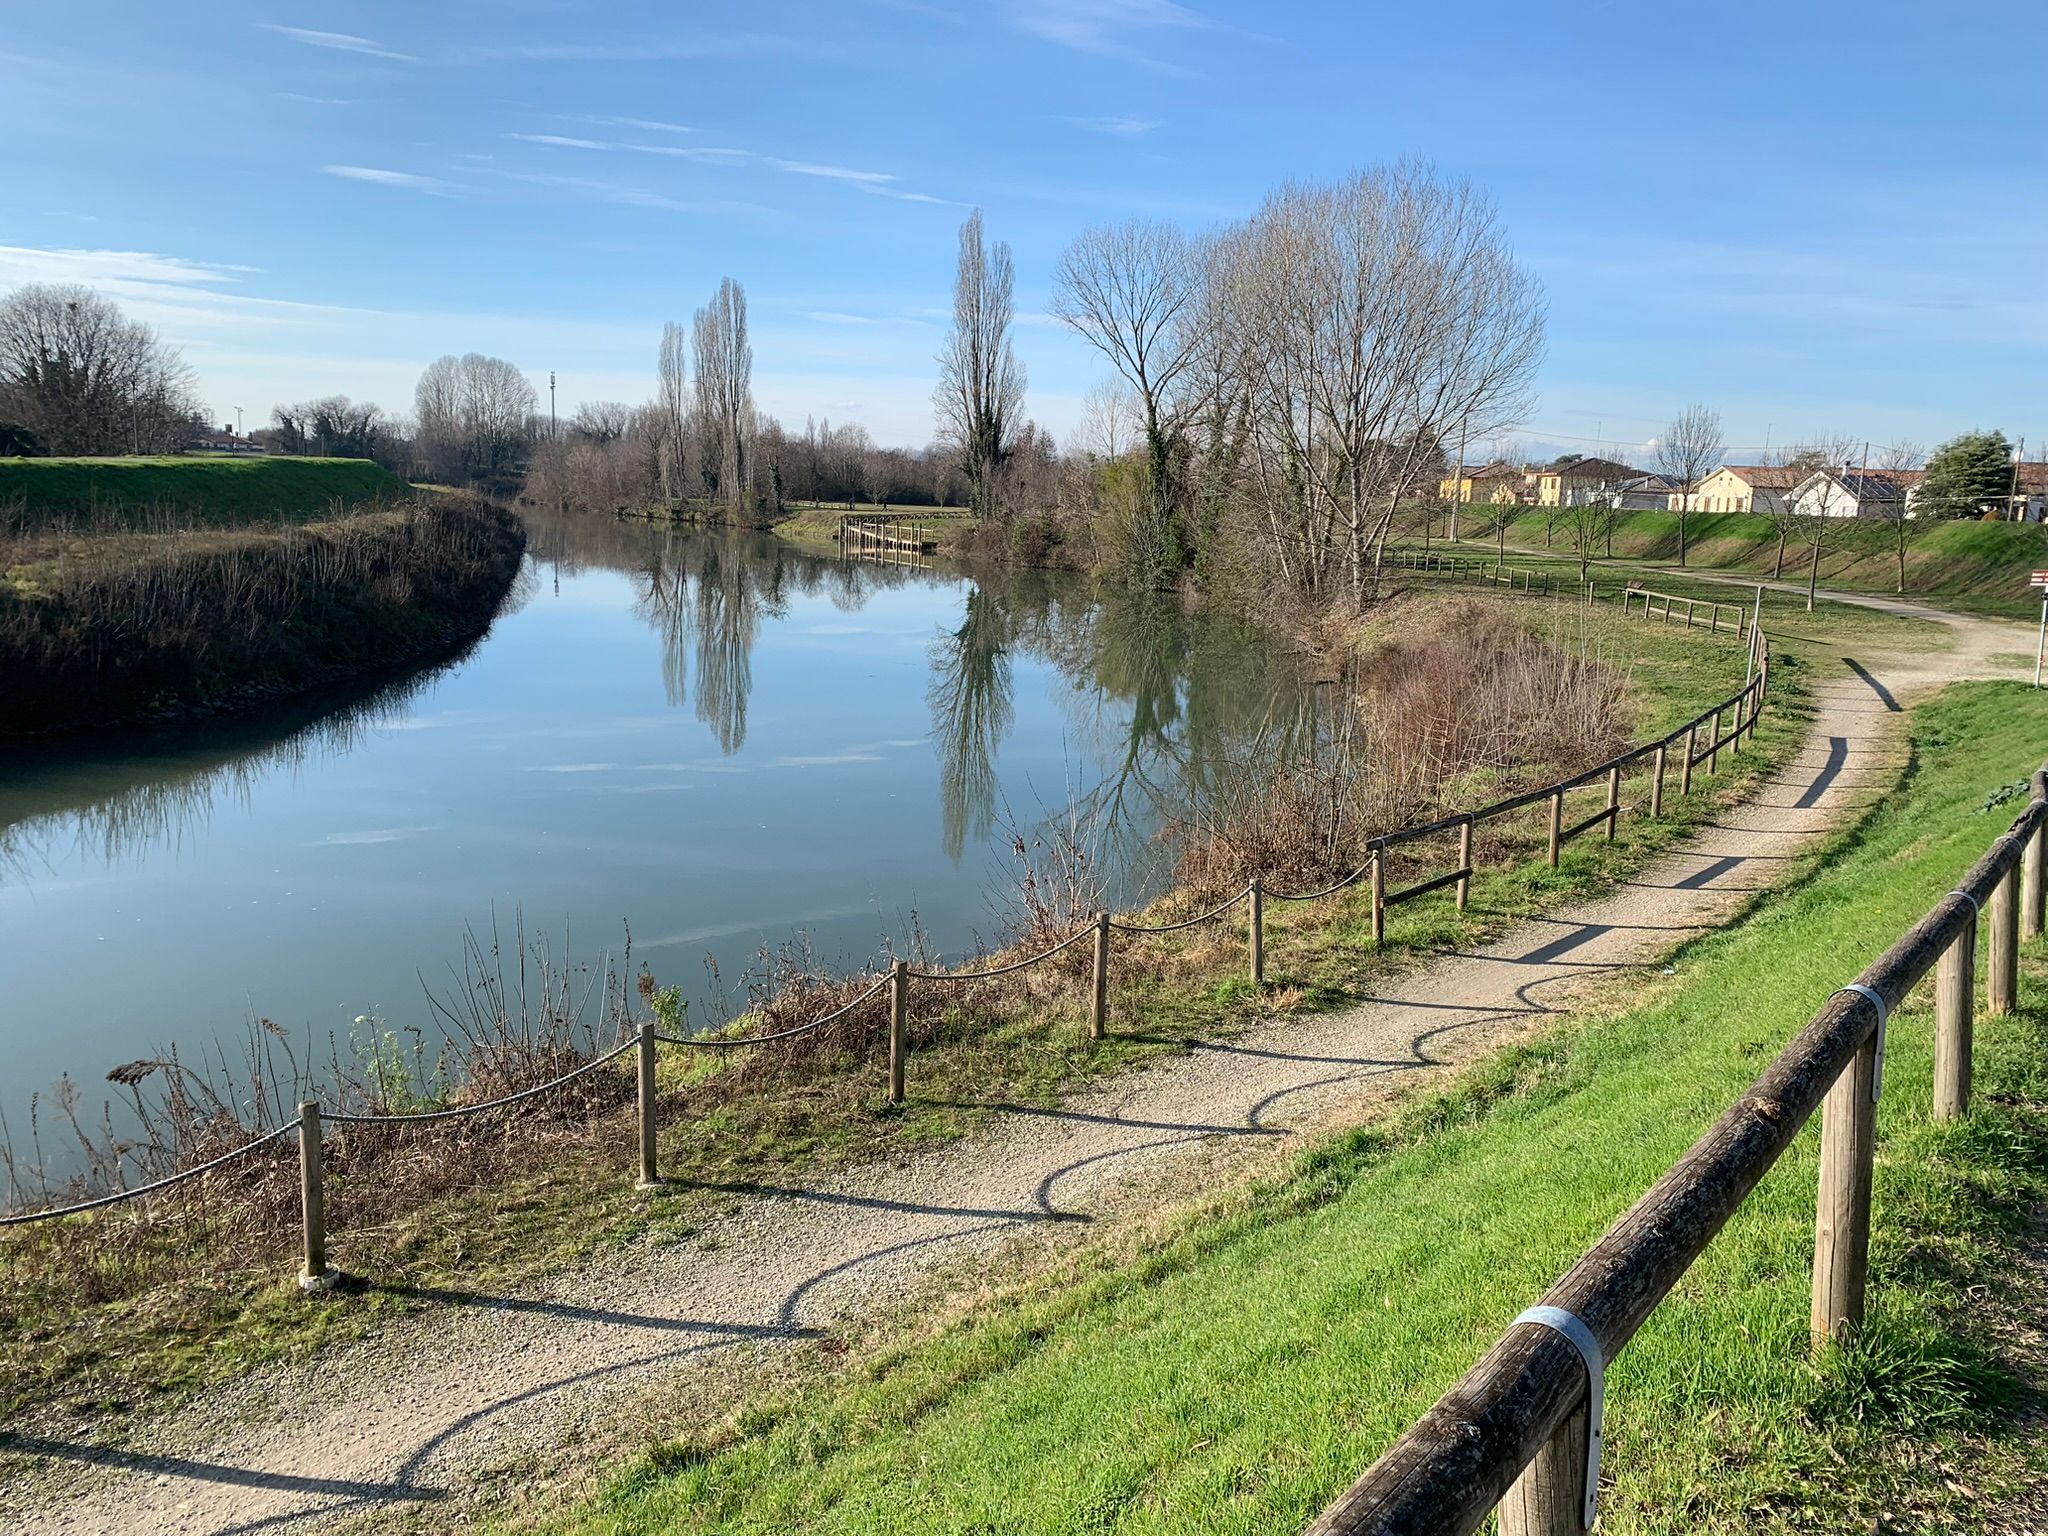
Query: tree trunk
point(1778, 565)
point(1813, 573)
point(1684, 506)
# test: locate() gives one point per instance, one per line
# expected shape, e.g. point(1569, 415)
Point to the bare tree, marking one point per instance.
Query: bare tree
point(1134, 291)
point(1892, 467)
point(1109, 424)
point(1371, 318)
point(83, 378)
point(1807, 518)
point(980, 395)
point(475, 418)
point(672, 401)
point(1688, 451)
point(725, 391)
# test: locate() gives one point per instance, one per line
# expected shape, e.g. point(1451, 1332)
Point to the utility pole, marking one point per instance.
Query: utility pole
point(238, 421)
point(554, 431)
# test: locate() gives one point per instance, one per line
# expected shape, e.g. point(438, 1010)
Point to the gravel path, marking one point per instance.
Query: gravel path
point(409, 1418)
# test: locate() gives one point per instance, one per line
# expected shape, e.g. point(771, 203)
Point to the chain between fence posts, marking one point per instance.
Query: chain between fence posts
point(314, 1275)
point(1657, 784)
point(899, 1020)
point(1098, 1002)
point(1379, 894)
point(650, 1172)
point(1556, 823)
point(1955, 987)
point(1464, 862)
point(1256, 931)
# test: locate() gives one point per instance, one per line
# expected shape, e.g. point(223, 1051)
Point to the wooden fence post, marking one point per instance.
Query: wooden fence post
point(1379, 894)
point(2030, 878)
point(1257, 931)
point(314, 1275)
point(899, 1020)
point(1692, 734)
point(1841, 1234)
point(650, 1174)
point(1955, 996)
point(1098, 1002)
point(1657, 784)
point(1549, 1498)
point(1464, 861)
point(1556, 823)
point(2002, 984)
point(1613, 800)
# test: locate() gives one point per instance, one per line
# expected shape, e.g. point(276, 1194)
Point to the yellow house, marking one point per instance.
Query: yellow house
point(1497, 481)
point(1555, 483)
point(1744, 488)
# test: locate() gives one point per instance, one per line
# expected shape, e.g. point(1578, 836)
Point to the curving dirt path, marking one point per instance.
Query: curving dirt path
point(414, 1417)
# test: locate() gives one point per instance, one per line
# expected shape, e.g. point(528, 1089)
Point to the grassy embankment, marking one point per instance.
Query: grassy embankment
point(1238, 1369)
point(123, 627)
point(210, 492)
point(1982, 567)
point(166, 1308)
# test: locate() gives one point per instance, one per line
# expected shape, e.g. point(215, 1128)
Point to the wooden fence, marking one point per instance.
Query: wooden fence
point(1522, 1429)
point(1714, 609)
point(1521, 578)
point(859, 535)
point(1724, 726)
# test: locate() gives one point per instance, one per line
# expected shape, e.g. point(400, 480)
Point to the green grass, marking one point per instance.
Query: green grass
point(218, 492)
point(1981, 566)
point(189, 1314)
point(1247, 1367)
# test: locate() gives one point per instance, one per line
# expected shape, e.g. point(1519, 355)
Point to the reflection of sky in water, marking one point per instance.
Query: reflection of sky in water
point(719, 742)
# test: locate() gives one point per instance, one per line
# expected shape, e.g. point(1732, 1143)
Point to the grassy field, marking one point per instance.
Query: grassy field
point(1984, 564)
point(815, 525)
point(193, 491)
point(1246, 1366)
point(176, 1312)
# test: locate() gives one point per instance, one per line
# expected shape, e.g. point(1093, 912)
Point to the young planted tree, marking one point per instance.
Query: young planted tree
point(1134, 292)
point(1807, 517)
point(1688, 451)
point(1893, 465)
point(1967, 476)
point(980, 395)
point(725, 393)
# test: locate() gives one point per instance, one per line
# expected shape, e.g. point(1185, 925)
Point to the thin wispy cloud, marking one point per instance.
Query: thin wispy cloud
point(316, 101)
point(652, 50)
point(339, 42)
point(559, 140)
point(433, 186)
point(644, 124)
point(1110, 28)
point(835, 317)
point(1126, 126)
point(829, 172)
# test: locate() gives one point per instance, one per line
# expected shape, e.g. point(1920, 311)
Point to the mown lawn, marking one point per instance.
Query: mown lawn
point(1245, 1369)
point(191, 491)
point(1981, 566)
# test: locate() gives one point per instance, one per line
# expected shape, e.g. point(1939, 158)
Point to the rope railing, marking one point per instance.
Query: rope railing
point(1521, 1430)
point(896, 980)
point(23, 1218)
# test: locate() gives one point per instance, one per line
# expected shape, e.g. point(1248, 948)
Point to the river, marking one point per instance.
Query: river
point(716, 740)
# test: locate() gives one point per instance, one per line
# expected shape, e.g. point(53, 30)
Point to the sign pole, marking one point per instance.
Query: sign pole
point(2041, 639)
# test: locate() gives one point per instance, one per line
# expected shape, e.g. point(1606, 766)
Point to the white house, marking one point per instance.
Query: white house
point(1854, 493)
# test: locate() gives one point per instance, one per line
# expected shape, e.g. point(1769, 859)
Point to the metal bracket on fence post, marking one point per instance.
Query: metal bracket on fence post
point(315, 1276)
point(1877, 1060)
point(1557, 1320)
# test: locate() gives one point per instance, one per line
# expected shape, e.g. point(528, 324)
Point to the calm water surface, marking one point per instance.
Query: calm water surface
point(715, 739)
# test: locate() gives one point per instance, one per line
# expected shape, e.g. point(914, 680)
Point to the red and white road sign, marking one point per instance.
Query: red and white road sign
point(2038, 579)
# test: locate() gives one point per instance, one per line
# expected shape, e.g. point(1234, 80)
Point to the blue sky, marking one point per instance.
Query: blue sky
point(1814, 216)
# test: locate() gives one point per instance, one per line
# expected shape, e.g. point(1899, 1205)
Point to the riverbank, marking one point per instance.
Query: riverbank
point(181, 1309)
point(117, 628)
point(1235, 1366)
